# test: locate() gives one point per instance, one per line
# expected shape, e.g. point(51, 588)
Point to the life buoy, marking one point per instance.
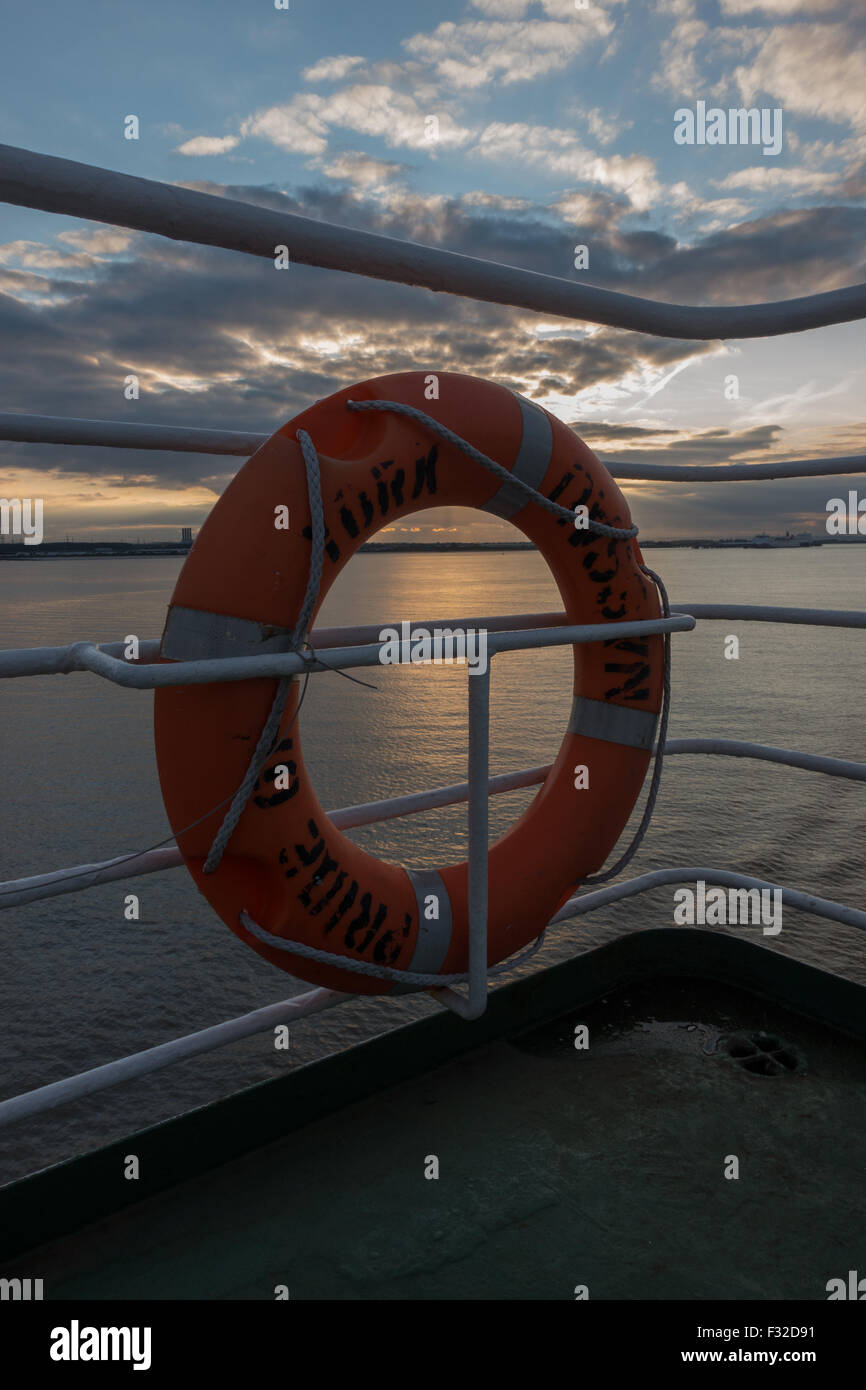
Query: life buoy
point(241, 589)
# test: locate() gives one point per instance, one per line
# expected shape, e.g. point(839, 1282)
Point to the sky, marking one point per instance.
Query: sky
point(555, 128)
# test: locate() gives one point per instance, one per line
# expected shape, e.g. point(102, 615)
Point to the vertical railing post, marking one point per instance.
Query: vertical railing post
point(474, 1004)
point(479, 828)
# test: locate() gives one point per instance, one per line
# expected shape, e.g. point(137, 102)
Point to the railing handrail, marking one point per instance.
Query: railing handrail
point(153, 1059)
point(86, 656)
point(124, 434)
point(187, 439)
point(80, 877)
point(66, 186)
point(513, 631)
point(358, 646)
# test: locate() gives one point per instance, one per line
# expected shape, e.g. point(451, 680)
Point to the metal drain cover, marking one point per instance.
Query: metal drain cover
point(762, 1054)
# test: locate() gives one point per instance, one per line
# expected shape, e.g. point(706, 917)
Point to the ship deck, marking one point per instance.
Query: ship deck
point(559, 1167)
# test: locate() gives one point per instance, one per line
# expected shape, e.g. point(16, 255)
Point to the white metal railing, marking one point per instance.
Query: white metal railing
point(183, 214)
point(86, 656)
point(120, 434)
point(316, 1001)
point(17, 892)
point(475, 791)
point(106, 659)
point(63, 186)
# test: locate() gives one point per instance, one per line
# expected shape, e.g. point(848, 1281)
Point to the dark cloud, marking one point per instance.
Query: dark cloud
point(675, 446)
point(673, 510)
point(243, 336)
point(784, 254)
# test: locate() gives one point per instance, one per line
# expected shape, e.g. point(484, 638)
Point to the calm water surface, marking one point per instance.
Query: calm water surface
point(80, 986)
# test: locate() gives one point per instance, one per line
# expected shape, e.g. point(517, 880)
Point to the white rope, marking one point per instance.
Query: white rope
point(380, 972)
point(601, 529)
point(565, 513)
point(269, 733)
point(661, 740)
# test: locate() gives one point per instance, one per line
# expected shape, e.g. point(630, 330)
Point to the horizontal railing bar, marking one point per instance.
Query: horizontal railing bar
point(412, 803)
point(769, 613)
point(53, 661)
point(120, 434)
point(764, 752)
point(84, 656)
point(183, 214)
point(533, 638)
point(724, 878)
point(735, 472)
point(17, 892)
point(153, 1059)
point(166, 1054)
point(325, 637)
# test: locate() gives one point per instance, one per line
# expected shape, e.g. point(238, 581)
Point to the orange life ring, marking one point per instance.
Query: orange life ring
point(243, 583)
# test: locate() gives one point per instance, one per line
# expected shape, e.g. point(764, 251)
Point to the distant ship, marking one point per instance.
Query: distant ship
point(786, 542)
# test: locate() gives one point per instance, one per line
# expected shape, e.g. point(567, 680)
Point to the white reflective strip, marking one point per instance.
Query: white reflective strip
point(612, 723)
point(533, 458)
point(434, 937)
point(191, 634)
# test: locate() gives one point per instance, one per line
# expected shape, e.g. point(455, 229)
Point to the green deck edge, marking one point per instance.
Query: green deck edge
point(70, 1195)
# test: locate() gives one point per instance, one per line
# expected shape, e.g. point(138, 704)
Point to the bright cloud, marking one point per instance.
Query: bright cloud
point(562, 153)
point(332, 69)
point(516, 9)
point(35, 256)
point(480, 52)
point(208, 144)
point(304, 123)
point(393, 116)
point(97, 241)
point(785, 8)
point(816, 69)
point(362, 171)
point(297, 126)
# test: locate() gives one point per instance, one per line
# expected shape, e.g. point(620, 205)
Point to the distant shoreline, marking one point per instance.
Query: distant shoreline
point(95, 550)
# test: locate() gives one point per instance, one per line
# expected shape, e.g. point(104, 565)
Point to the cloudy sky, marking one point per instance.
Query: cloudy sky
point(555, 129)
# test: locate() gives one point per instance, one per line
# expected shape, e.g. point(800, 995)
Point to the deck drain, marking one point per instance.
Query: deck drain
point(763, 1054)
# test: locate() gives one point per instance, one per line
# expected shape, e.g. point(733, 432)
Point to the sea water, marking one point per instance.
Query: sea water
point(81, 985)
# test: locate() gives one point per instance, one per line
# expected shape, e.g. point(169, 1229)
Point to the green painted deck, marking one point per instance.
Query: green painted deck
point(558, 1167)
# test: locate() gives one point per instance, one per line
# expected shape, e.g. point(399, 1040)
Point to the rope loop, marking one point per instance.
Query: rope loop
point(599, 528)
point(381, 972)
point(655, 782)
point(299, 640)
